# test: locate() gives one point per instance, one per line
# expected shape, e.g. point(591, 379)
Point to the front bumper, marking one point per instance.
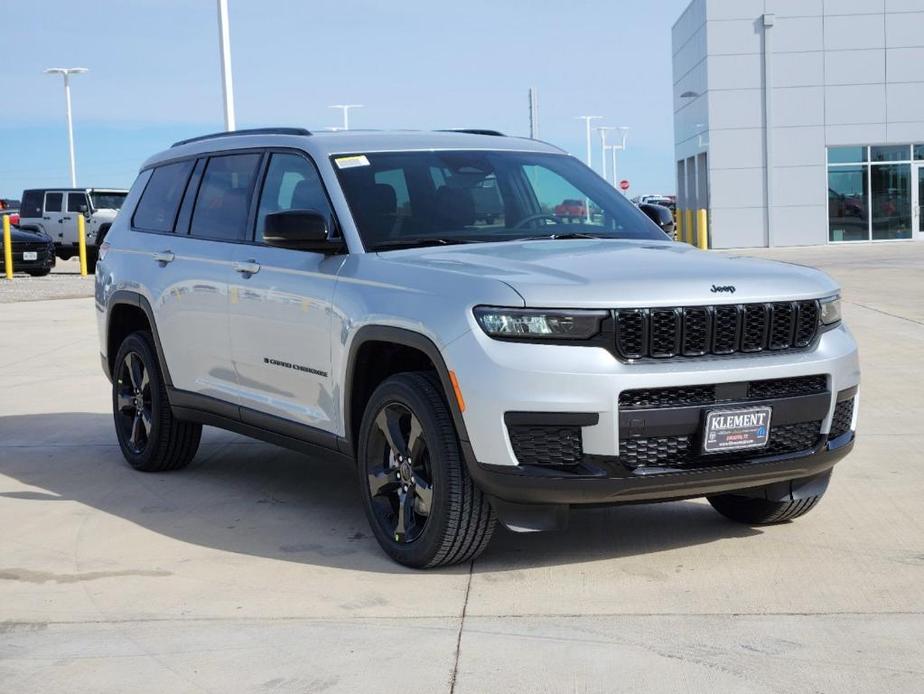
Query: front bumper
point(529, 485)
point(585, 384)
point(45, 259)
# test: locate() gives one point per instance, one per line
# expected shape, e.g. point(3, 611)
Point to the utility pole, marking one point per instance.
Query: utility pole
point(533, 113)
point(346, 112)
point(224, 48)
point(67, 72)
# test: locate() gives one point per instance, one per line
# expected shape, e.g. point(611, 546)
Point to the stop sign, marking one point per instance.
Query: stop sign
point(624, 184)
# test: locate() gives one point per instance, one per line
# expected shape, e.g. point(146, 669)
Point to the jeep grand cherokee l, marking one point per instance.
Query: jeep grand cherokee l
point(339, 292)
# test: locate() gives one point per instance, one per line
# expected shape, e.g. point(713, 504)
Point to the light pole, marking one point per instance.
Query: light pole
point(603, 130)
point(587, 120)
point(346, 113)
point(67, 72)
point(224, 47)
point(623, 133)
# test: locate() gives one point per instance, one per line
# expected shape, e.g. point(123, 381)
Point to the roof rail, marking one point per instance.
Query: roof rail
point(252, 131)
point(474, 131)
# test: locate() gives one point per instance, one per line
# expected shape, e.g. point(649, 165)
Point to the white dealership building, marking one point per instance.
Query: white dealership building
point(801, 122)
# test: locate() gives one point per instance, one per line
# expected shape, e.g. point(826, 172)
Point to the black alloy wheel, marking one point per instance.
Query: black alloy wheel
point(151, 438)
point(133, 402)
point(422, 505)
point(401, 483)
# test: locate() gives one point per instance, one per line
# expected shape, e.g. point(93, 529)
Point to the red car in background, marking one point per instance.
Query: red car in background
point(11, 208)
point(571, 209)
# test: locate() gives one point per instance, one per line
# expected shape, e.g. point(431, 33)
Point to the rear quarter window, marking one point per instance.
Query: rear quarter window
point(157, 209)
point(31, 204)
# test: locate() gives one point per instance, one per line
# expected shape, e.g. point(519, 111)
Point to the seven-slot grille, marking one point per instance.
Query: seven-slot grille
point(693, 331)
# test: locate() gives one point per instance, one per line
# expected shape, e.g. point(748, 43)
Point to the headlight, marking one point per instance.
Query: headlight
point(831, 310)
point(539, 324)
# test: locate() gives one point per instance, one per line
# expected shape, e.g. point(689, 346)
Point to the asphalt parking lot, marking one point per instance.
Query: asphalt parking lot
point(253, 569)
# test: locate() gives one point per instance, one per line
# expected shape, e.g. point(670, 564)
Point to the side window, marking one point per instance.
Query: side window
point(75, 201)
point(224, 197)
point(54, 202)
point(157, 208)
point(31, 204)
point(292, 183)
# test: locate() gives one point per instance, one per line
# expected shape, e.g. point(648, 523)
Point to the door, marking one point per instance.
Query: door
point(280, 308)
point(53, 215)
point(917, 201)
point(189, 264)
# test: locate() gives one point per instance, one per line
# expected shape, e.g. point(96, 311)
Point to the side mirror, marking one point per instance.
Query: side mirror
point(661, 216)
point(299, 230)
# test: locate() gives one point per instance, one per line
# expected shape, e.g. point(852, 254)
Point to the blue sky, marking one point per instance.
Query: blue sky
point(154, 75)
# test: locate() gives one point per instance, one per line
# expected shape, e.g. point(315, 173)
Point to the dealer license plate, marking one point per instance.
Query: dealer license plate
point(30, 255)
point(738, 429)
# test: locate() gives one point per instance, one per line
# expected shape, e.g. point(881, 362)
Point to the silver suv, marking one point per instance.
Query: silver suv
point(342, 292)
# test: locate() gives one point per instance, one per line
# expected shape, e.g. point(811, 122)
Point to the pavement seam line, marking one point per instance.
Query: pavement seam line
point(886, 313)
point(455, 665)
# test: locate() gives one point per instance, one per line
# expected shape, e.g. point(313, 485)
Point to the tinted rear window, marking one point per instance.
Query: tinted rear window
point(31, 204)
point(224, 197)
point(157, 208)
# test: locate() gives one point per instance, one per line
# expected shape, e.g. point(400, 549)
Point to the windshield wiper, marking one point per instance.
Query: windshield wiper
point(418, 243)
point(569, 235)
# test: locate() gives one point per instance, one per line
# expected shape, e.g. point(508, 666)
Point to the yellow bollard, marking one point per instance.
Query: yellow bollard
point(7, 247)
point(82, 244)
point(702, 233)
point(689, 231)
point(678, 225)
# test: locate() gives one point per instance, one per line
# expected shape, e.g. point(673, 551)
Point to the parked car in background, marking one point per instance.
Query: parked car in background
point(54, 211)
point(10, 208)
point(660, 215)
point(668, 201)
point(571, 209)
point(33, 252)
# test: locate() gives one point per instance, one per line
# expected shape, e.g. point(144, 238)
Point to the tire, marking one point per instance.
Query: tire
point(91, 263)
point(752, 509)
point(446, 519)
point(151, 438)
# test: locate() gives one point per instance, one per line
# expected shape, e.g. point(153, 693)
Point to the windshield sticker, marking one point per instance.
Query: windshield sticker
point(350, 162)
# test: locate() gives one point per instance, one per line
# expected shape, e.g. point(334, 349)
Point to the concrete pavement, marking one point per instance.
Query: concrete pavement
point(254, 570)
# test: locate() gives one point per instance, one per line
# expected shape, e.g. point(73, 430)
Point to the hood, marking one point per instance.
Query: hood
point(603, 273)
point(25, 236)
point(104, 214)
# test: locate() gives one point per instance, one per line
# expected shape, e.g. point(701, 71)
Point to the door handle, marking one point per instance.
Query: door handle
point(163, 257)
point(47, 218)
point(247, 267)
point(64, 219)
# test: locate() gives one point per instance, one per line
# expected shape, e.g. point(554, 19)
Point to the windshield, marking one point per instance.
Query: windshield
point(108, 201)
point(403, 199)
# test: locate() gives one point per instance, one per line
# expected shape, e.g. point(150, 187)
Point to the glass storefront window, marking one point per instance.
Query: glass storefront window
point(890, 153)
point(891, 201)
point(847, 208)
point(846, 155)
point(919, 151)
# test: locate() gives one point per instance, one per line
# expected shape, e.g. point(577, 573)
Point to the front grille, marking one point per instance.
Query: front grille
point(843, 416)
point(686, 396)
point(692, 331)
point(787, 387)
point(683, 452)
point(546, 445)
